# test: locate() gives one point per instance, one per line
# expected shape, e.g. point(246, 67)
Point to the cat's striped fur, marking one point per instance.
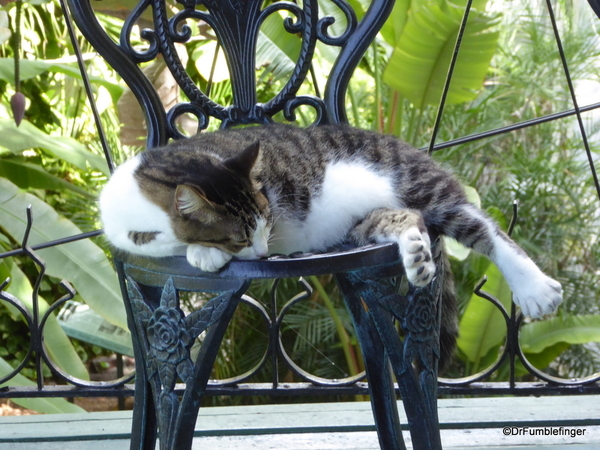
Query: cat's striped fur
point(280, 189)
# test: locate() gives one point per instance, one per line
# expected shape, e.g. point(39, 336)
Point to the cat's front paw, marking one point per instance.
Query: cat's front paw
point(539, 296)
point(415, 250)
point(208, 259)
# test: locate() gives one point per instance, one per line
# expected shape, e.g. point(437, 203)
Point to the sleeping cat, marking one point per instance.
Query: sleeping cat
point(247, 193)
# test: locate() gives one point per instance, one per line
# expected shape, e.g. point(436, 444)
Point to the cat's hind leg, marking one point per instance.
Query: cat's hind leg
point(536, 293)
point(406, 228)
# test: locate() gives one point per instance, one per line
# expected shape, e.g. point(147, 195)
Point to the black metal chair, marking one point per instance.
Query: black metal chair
point(162, 333)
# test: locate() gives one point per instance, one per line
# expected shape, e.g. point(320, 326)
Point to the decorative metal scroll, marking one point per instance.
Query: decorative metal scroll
point(236, 25)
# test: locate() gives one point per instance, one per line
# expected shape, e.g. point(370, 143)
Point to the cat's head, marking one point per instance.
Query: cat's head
point(224, 208)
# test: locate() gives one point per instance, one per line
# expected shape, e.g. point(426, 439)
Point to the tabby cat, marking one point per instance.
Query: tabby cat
point(247, 193)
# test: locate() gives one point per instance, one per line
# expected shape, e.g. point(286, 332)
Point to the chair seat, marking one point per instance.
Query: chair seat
point(155, 271)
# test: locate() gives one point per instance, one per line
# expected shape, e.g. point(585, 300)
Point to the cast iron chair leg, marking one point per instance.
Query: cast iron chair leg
point(192, 398)
point(418, 387)
point(374, 305)
point(165, 336)
point(144, 424)
point(381, 386)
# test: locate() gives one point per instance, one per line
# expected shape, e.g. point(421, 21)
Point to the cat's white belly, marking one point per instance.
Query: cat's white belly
point(349, 192)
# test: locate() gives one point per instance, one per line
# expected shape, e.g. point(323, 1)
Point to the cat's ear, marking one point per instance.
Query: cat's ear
point(191, 202)
point(243, 162)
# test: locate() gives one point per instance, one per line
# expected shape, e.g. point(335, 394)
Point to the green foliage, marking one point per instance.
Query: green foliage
point(52, 162)
point(423, 49)
point(57, 343)
point(82, 262)
point(541, 168)
point(537, 336)
point(34, 68)
point(27, 136)
point(317, 333)
point(482, 326)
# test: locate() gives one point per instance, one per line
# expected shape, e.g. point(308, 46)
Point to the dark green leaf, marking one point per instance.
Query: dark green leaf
point(27, 175)
point(27, 136)
point(537, 336)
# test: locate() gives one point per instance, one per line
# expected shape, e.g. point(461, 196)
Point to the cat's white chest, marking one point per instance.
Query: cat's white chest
point(349, 192)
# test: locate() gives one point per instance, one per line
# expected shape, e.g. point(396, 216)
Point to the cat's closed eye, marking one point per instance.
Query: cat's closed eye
point(231, 244)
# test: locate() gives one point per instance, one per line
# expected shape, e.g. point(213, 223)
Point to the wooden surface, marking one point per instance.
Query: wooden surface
point(466, 424)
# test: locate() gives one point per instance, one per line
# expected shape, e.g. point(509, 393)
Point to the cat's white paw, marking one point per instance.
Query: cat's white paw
point(208, 259)
point(415, 250)
point(536, 293)
point(538, 296)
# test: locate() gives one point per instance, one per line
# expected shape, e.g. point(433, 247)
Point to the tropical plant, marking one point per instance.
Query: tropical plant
point(50, 159)
point(540, 167)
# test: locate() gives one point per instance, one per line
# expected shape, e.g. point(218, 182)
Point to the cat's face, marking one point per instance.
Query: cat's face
point(238, 228)
point(227, 211)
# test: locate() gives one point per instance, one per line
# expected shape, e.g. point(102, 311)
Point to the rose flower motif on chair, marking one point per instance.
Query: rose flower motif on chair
point(169, 333)
point(419, 319)
point(170, 344)
point(419, 323)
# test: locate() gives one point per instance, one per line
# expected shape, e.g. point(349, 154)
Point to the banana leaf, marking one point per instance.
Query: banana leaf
point(535, 337)
point(421, 57)
point(482, 327)
point(82, 263)
point(27, 136)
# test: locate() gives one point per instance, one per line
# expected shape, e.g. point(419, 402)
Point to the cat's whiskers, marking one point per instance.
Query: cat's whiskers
point(275, 219)
point(273, 238)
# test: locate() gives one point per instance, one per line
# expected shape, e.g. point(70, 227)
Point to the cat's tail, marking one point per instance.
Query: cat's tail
point(449, 325)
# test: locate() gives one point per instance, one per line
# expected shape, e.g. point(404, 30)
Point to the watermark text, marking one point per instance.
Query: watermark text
point(543, 431)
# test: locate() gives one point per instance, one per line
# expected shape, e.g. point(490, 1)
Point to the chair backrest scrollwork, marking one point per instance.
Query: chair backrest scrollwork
point(236, 25)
